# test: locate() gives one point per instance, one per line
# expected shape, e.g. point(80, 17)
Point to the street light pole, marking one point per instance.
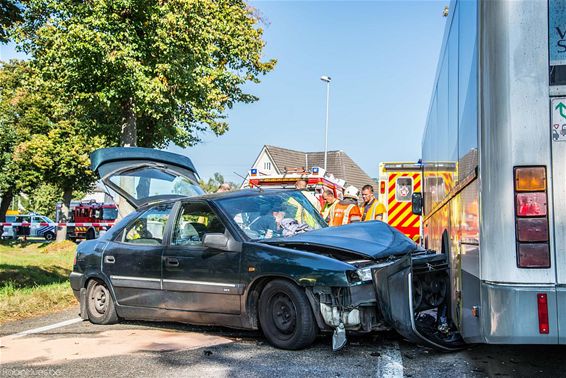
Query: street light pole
point(326, 79)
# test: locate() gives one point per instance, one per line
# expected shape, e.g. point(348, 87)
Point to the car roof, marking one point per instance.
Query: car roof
point(218, 196)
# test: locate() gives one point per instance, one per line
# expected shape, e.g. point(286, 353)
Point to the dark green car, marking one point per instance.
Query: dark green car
point(244, 259)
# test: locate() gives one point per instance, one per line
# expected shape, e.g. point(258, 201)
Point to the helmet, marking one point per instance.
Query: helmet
point(351, 192)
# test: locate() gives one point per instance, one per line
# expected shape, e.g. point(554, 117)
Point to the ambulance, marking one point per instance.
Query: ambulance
point(397, 183)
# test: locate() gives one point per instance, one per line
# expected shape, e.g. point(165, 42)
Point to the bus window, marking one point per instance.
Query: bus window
point(404, 189)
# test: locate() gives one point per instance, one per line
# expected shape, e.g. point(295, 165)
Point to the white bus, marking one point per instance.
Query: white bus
point(497, 120)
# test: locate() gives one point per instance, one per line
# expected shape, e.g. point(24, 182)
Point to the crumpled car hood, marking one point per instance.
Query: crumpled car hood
point(375, 239)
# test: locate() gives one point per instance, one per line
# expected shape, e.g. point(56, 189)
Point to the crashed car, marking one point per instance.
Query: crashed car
point(251, 259)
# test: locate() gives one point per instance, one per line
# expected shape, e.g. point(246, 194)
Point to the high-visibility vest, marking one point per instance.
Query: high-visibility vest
point(344, 213)
point(375, 208)
point(302, 215)
point(328, 210)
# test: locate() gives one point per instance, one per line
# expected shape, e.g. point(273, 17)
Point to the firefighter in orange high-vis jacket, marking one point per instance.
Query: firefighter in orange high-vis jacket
point(371, 208)
point(347, 210)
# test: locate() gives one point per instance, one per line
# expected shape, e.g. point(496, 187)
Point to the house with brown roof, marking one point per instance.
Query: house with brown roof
point(273, 160)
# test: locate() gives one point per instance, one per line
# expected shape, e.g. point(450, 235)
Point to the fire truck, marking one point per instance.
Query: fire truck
point(90, 213)
point(397, 183)
point(317, 180)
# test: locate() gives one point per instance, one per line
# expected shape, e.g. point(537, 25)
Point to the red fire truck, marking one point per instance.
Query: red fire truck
point(90, 213)
point(317, 181)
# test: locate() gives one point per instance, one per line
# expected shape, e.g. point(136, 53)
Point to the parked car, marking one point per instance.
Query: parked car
point(39, 226)
point(240, 259)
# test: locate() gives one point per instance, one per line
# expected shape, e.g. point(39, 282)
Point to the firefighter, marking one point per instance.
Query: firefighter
point(302, 186)
point(347, 210)
point(330, 202)
point(371, 209)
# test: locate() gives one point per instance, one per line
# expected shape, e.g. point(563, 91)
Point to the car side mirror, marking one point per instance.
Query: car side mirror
point(417, 202)
point(215, 240)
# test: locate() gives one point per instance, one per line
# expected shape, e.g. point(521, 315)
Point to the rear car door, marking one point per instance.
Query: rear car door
point(195, 277)
point(132, 260)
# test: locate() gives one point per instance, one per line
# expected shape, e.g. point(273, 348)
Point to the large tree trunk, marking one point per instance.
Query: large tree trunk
point(129, 133)
point(128, 138)
point(7, 198)
point(65, 207)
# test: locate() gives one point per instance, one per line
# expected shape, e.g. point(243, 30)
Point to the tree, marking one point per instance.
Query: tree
point(10, 14)
point(147, 72)
point(22, 113)
point(60, 158)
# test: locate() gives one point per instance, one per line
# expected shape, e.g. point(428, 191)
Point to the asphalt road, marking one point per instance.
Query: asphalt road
point(77, 348)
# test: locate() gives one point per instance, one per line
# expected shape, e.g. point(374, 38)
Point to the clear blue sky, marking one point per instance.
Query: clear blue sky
point(382, 58)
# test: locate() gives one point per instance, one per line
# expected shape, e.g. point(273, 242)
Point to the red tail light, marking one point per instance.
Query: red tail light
point(382, 187)
point(531, 221)
point(531, 204)
point(532, 229)
point(542, 301)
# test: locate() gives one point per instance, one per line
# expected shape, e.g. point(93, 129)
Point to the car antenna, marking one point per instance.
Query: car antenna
point(243, 178)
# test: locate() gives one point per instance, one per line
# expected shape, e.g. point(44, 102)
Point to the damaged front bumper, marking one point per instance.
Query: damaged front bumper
point(408, 294)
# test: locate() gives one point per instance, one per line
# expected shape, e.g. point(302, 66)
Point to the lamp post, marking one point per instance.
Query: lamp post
point(326, 79)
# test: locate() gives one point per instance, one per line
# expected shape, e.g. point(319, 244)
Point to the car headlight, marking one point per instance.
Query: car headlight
point(364, 274)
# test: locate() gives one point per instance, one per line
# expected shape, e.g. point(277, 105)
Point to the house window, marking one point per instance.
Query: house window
point(267, 165)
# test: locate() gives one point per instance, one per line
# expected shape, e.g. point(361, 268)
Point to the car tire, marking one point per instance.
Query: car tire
point(285, 316)
point(100, 304)
point(49, 236)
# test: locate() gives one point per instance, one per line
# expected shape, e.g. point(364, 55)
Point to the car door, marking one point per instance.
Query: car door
point(132, 261)
point(196, 277)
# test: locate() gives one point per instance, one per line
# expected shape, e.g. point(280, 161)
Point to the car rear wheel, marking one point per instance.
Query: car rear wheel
point(285, 316)
point(100, 305)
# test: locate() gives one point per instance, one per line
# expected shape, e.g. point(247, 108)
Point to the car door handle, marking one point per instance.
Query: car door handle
point(171, 261)
point(109, 259)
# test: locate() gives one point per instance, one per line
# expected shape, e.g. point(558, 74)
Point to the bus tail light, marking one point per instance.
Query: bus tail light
point(542, 301)
point(532, 229)
point(531, 221)
point(530, 179)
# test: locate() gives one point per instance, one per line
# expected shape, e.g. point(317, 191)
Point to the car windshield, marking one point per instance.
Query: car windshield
point(268, 215)
point(109, 213)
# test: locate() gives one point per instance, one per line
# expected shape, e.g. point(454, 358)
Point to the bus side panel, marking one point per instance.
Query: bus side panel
point(515, 127)
point(511, 314)
point(561, 298)
point(467, 254)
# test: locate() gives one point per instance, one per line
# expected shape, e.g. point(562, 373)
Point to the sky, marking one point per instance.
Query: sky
point(382, 58)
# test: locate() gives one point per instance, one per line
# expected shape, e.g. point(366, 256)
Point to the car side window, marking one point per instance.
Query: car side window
point(195, 220)
point(149, 228)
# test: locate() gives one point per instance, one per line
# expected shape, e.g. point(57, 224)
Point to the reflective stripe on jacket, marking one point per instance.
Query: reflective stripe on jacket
point(344, 213)
point(375, 209)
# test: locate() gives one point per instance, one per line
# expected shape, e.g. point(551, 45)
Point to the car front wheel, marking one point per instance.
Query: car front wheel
point(285, 316)
point(100, 305)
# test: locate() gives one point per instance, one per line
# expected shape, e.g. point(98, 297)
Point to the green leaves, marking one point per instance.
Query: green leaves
point(182, 62)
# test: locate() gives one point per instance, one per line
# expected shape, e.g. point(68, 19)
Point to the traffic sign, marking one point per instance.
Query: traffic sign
point(558, 120)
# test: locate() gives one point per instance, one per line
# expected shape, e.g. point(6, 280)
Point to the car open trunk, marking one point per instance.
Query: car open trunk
point(143, 175)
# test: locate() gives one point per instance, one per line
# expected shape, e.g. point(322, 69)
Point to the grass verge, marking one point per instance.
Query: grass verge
point(34, 278)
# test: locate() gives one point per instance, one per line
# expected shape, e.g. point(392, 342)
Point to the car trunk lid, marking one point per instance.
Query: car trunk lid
point(142, 175)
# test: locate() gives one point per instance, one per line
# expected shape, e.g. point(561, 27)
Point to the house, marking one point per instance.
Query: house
point(274, 160)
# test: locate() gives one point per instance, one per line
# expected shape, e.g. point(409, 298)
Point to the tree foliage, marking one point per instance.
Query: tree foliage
point(147, 72)
point(10, 14)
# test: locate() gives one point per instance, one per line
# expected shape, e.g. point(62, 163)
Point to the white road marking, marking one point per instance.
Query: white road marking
point(390, 363)
point(47, 328)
